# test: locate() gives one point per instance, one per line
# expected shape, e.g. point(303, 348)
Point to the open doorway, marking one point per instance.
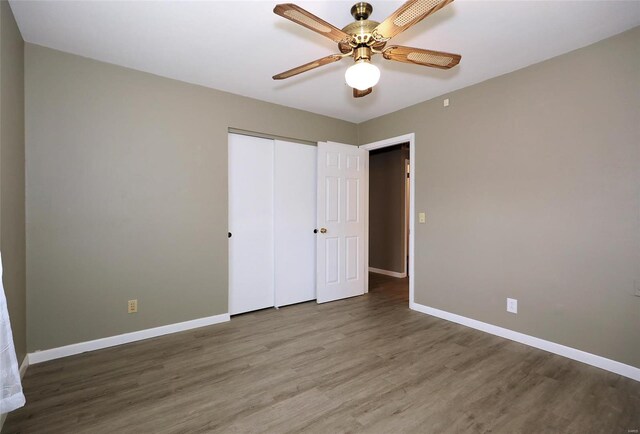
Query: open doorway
point(390, 217)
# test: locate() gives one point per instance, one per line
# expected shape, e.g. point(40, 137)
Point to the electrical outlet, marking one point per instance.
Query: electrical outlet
point(512, 305)
point(422, 217)
point(132, 306)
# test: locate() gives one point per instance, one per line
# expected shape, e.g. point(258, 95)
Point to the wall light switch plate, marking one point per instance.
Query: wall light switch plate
point(422, 217)
point(512, 305)
point(132, 306)
point(446, 102)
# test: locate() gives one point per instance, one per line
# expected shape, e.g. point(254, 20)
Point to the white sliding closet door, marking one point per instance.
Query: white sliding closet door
point(251, 218)
point(295, 220)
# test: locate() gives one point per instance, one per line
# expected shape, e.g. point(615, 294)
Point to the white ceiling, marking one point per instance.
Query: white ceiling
point(236, 46)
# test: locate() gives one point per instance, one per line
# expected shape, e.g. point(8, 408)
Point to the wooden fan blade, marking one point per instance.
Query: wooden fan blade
point(308, 66)
point(360, 93)
point(418, 56)
point(407, 15)
point(310, 21)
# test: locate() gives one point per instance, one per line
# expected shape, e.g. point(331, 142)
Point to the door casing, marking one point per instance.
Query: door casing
point(410, 138)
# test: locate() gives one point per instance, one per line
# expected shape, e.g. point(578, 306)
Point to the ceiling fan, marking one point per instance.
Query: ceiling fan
point(364, 37)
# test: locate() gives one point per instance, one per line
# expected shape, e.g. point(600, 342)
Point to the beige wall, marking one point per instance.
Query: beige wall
point(530, 183)
point(531, 186)
point(127, 194)
point(12, 167)
point(387, 209)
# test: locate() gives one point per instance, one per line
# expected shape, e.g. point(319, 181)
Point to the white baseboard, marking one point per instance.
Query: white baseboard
point(97, 344)
point(552, 347)
point(24, 365)
point(387, 272)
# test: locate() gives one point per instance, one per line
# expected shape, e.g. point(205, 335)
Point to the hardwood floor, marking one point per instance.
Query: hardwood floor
point(366, 364)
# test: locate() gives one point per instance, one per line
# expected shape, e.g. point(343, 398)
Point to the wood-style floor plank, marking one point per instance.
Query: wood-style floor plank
point(367, 364)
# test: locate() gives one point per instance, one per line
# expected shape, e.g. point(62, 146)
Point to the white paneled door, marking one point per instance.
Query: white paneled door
point(251, 210)
point(342, 189)
point(295, 220)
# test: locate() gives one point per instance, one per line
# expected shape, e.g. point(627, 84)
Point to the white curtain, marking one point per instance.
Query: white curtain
point(11, 396)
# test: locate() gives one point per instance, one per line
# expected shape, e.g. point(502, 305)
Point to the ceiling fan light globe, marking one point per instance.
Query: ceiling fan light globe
point(362, 75)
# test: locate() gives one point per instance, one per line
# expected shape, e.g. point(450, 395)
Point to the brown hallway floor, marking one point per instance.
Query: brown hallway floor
point(366, 364)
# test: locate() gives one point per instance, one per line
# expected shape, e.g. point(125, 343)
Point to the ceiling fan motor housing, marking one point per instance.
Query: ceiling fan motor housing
point(361, 29)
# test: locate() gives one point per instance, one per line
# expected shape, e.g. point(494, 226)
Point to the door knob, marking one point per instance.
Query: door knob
point(323, 230)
